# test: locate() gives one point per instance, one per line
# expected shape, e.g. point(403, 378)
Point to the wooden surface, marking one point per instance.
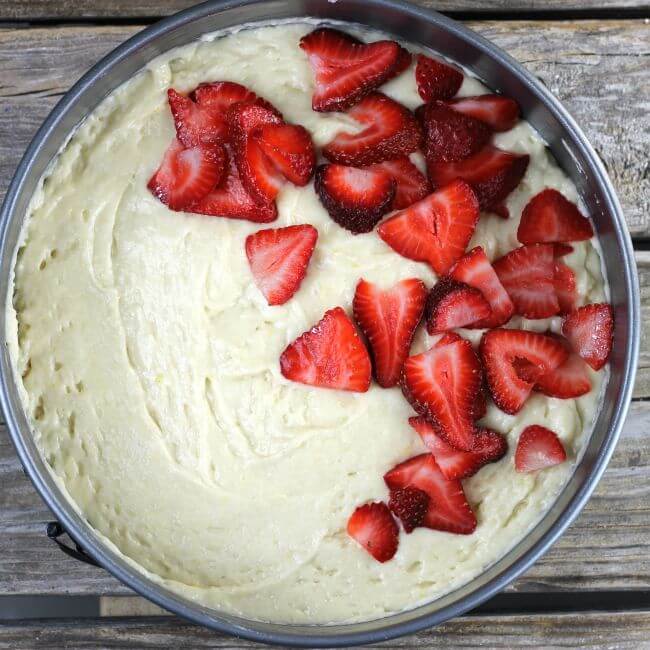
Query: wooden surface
point(596, 57)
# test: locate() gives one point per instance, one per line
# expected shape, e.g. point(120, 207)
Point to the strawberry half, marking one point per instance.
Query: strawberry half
point(448, 508)
point(410, 506)
point(412, 184)
point(391, 132)
point(346, 70)
point(374, 528)
point(565, 287)
point(436, 229)
point(453, 304)
point(549, 217)
point(567, 381)
point(355, 198)
point(219, 96)
point(514, 360)
point(528, 275)
point(589, 330)
point(185, 176)
point(435, 79)
point(388, 319)
point(498, 112)
point(475, 269)
point(489, 447)
point(441, 385)
point(329, 355)
point(278, 258)
point(538, 448)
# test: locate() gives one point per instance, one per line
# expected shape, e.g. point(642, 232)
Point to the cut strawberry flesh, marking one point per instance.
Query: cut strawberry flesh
point(374, 528)
point(567, 381)
point(498, 112)
point(219, 96)
point(589, 330)
point(565, 287)
point(412, 184)
point(453, 304)
point(538, 448)
point(435, 79)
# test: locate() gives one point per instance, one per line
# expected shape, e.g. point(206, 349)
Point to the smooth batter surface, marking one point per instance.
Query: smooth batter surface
point(149, 362)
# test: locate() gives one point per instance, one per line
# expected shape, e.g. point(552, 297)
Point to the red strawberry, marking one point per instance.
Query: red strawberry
point(480, 405)
point(448, 508)
point(355, 198)
point(410, 506)
point(391, 132)
point(450, 136)
point(499, 112)
point(447, 338)
point(219, 96)
point(185, 176)
point(528, 275)
point(514, 360)
point(475, 269)
point(589, 330)
point(346, 70)
point(436, 229)
point(538, 448)
point(388, 319)
point(290, 148)
point(329, 355)
point(435, 79)
point(564, 280)
point(278, 258)
point(549, 217)
point(412, 184)
point(442, 384)
point(489, 447)
point(560, 250)
point(492, 173)
point(374, 528)
point(567, 381)
point(453, 304)
point(194, 124)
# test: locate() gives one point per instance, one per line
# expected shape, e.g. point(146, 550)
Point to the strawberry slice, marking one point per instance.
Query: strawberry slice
point(355, 198)
point(388, 319)
point(329, 355)
point(219, 96)
point(538, 448)
point(453, 304)
point(185, 176)
point(346, 70)
point(589, 330)
point(290, 148)
point(514, 360)
point(498, 112)
point(549, 217)
point(412, 184)
point(528, 275)
point(435, 79)
point(436, 229)
point(489, 447)
point(448, 508)
point(441, 385)
point(475, 269)
point(560, 250)
point(567, 381)
point(374, 528)
point(564, 280)
point(492, 173)
point(410, 506)
point(391, 131)
point(278, 258)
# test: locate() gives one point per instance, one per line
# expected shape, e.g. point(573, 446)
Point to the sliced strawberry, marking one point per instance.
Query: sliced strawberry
point(528, 275)
point(410, 506)
point(329, 355)
point(589, 330)
point(489, 447)
point(480, 405)
point(412, 184)
point(538, 448)
point(507, 354)
point(194, 124)
point(219, 96)
point(441, 385)
point(565, 287)
point(436, 229)
point(448, 508)
point(391, 131)
point(499, 112)
point(278, 258)
point(450, 136)
point(346, 70)
point(567, 381)
point(492, 173)
point(290, 148)
point(452, 304)
point(388, 319)
point(475, 269)
point(549, 217)
point(560, 250)
point(447, 338)
point(435, 79)
point(355, 198)
point(374, 528)
point(185, 176)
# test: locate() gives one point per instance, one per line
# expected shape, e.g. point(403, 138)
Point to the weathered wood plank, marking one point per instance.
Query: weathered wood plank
point(600, 69)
